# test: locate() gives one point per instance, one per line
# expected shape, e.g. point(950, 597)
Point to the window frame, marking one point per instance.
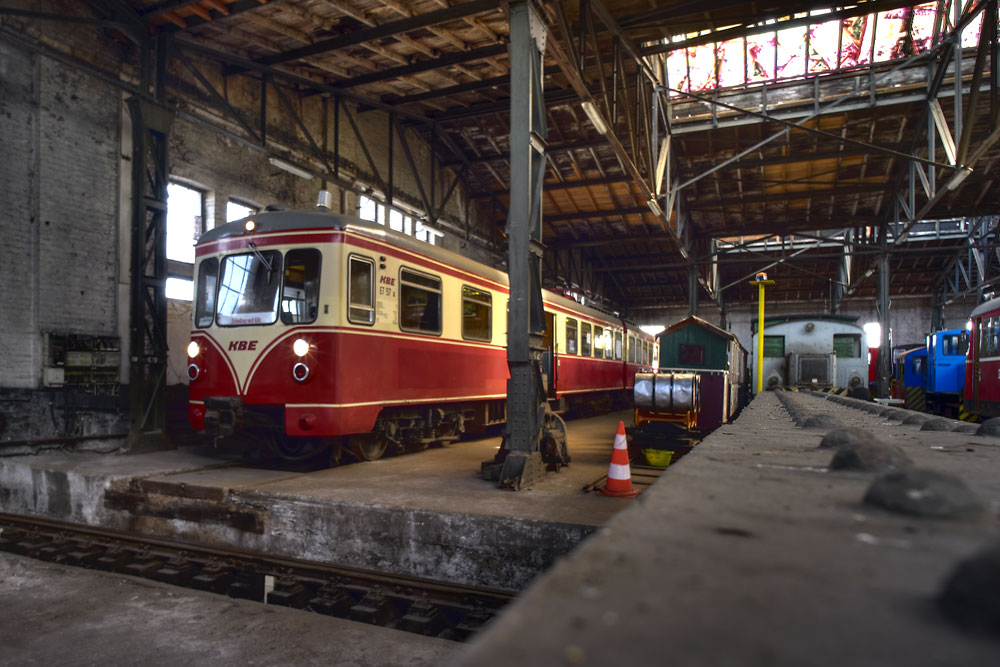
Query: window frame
point(489, 319)
point(586, 327)
point(198, 293)
point(319, 278)
point(280, 270)
point(439, 292)
point(618, 341)
point(575, 338)
point(350, 304)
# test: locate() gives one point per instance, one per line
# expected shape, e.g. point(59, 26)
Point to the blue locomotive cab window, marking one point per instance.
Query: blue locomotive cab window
point(300, 292)
point(248, 290)
point(477, 314)
point(953, 345)
point(361, 290)
point(208, 280)
point(571, 329)
point(419, 302)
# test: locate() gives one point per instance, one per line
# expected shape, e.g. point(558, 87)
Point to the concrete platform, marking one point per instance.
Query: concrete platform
point(751, 551)
point(427, 514)
point(57, 615)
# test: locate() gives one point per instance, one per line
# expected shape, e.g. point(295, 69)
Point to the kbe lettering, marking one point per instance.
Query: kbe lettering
point(241, 345)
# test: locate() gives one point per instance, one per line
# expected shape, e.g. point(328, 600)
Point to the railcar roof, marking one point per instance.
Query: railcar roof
point(695, 320)
point(286, 221)
point(986, 307)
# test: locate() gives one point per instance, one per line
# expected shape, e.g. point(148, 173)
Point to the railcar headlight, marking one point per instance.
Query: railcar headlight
point(250, 225)
point(300, 347)
point(193, 349)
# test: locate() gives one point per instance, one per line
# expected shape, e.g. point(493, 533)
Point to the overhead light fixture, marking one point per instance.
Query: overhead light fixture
point(290, 168)
point(959, 176)
point(655, 207)
point(595, 118)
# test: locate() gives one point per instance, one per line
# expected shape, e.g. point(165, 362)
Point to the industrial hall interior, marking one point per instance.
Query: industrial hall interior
point(491, 332)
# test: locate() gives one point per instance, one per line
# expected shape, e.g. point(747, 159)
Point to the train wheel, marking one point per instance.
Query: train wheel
point(368, 447)
point(296, 449)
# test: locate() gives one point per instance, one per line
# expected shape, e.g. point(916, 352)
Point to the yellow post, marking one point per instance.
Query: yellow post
point(760, 281)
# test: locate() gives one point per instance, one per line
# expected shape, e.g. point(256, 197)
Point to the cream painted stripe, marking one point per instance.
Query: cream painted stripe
point(618, 471)
point(384, 402)
point(386, 334)
point(197, 402)
point(982, 359)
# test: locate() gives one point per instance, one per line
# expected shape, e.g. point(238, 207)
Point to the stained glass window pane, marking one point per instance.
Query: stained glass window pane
point(731, 69)
point(792, 52)
point(760, 57)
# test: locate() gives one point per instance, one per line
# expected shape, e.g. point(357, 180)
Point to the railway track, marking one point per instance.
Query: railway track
point(423, 606)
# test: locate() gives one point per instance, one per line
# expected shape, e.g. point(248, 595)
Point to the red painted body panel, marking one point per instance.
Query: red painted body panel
point(216, 376)
point(982, 374)
point(578, 374)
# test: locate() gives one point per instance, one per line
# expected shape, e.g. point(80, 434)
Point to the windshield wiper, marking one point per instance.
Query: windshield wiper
point(260, 256)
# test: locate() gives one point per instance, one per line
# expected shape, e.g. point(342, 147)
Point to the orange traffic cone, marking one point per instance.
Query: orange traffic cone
point(619, 484)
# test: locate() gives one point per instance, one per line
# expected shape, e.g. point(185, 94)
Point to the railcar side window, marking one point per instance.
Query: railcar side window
point(419, 302)
point(645, 352)
point(571, 327)
point(477, 309)
point(631, 349)
point(846, 345)
point(585, 339)
point(774, 346)
point(598, 342)
point(618, 345)
point(991, 337)
point(361, 290)
point(208, 280)
point(248, 293)
point(300, 293)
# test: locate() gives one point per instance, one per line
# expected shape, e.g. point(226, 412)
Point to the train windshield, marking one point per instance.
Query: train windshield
point(954, 344)
point(248, 289)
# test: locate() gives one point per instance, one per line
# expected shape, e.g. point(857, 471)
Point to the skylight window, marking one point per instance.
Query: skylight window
point(803, 47)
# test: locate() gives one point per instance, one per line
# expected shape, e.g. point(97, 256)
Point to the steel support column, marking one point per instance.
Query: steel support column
point(885, 357)
point(527, 404)
point(148, 304)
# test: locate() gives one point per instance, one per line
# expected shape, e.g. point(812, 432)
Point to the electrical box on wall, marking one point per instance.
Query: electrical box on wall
point(83, 361)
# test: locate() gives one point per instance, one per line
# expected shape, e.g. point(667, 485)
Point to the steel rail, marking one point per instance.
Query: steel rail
point(415, 604)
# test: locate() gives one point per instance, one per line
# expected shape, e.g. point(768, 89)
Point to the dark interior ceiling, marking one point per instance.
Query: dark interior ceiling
point(790, 176)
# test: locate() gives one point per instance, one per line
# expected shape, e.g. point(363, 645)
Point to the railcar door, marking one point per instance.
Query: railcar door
point(974, 353)
point(549, 364)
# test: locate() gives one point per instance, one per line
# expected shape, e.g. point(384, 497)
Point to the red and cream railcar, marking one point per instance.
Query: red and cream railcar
point(982, 362)
point(312, 329)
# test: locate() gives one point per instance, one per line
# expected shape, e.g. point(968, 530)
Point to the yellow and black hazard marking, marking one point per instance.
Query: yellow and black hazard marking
point(916, 398)
point(964, 414)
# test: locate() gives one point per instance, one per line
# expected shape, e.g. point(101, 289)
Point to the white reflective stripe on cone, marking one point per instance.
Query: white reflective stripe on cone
point(618, 471)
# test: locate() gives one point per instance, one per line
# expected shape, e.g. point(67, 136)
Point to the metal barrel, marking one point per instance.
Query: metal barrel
point(667, 393)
